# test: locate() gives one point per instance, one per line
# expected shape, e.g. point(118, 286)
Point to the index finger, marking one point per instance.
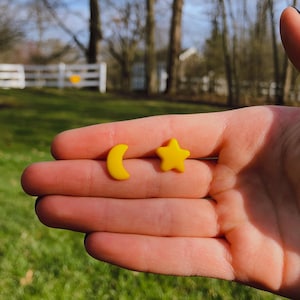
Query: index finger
point(200, 135)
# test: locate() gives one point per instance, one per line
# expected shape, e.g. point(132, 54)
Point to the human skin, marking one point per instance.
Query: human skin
point(290, 34)
point(235, 216)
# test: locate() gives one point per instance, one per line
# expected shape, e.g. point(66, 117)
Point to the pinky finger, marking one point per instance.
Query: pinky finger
point(163, 255)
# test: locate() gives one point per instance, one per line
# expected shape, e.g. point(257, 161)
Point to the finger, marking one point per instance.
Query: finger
point(290, 35)
point(156, 217)
point(173, 256)
point(90, 178)
point(199, 135)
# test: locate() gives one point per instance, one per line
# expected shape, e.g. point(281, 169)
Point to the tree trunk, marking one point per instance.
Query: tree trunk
point(126, 76)
point(235, 61)
point(95, 32)
point(174, 47)
point(277, 77)
point(227, 59)
point(288, 74)
point(258, 38)
point(150, 59)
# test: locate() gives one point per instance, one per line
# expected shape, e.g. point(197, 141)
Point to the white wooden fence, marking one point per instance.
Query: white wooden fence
point(12, 76)
point(60, 76)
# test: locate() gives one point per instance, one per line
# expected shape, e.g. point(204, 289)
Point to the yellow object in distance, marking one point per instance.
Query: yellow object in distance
point(172, 156)
point(115, 162)
point(74, 79)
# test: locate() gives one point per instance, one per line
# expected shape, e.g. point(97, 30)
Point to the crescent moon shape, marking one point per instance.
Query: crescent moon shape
point(115, 162)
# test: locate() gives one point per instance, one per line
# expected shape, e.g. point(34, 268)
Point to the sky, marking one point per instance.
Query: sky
point(195, 22)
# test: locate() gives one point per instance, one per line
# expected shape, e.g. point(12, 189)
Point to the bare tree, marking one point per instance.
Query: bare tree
point(234, 57)
point(40, 18)
point(10, 29)
point(226, 53)
point(127, 32)
point(174, 47)
point(258, 37)
point(150, 57)
point(91, 50)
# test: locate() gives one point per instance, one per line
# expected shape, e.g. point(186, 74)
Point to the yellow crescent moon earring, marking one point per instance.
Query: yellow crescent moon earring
point(114, 162)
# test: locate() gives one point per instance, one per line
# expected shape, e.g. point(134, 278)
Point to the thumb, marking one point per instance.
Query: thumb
point(290, 34)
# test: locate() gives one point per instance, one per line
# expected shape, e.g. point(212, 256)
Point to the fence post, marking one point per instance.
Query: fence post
point(61, 75)
point(21, 73)
point(102, 77)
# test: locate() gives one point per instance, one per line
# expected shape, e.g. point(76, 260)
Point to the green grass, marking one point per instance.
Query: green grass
point(61, 269)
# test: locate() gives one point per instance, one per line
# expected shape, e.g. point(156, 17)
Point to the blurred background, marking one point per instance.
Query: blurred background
point(217, 51)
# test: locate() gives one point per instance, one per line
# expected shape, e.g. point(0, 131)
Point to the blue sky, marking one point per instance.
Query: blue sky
point(196, 19)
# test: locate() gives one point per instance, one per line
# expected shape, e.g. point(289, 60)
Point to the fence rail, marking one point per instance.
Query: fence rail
point(60, 76)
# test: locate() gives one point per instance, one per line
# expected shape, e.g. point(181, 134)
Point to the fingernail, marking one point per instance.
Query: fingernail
point(296, 9)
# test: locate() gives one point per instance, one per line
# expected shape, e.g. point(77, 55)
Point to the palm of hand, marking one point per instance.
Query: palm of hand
point(258, 207)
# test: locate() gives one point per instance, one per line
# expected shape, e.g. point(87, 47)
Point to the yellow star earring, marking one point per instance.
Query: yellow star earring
point(172, 156)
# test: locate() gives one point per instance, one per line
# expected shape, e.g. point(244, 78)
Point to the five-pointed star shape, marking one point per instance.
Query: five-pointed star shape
point(172, 156)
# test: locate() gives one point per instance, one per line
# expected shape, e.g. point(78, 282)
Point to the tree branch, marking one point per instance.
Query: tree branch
point(63, 26)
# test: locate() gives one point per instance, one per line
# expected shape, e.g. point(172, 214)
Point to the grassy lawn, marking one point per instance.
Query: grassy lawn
point(41, 263)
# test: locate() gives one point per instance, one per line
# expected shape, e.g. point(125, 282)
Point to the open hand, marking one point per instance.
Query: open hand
point(236, 217)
